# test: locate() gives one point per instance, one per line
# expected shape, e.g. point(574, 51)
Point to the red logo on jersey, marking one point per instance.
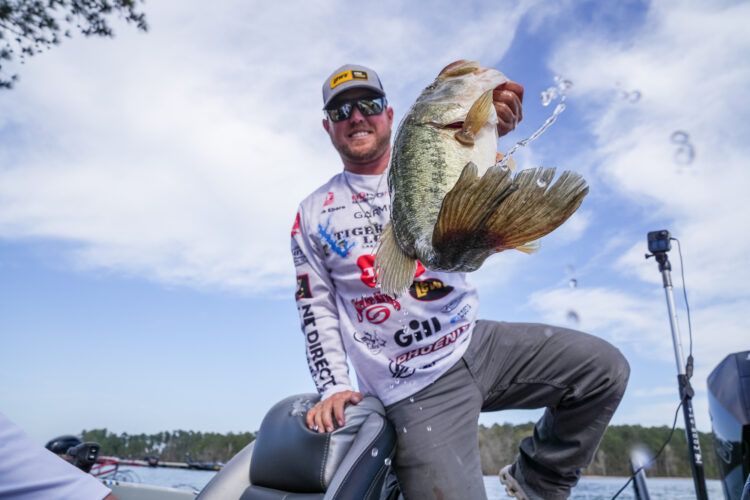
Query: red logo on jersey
point(373, 307)
point(295, 227)
point(329, 199)
point(366, 264)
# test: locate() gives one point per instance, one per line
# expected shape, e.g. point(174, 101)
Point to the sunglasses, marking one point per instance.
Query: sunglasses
point(368, 106)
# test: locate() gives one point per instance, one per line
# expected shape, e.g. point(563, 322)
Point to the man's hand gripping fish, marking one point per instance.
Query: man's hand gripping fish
point(452, 206)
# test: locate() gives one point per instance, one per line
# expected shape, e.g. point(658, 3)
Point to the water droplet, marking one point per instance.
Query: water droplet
point(420, 408)
point(564, 85)
point(634, 96)
point(411, 399)
point(387, 462)
point(541, 182)
point(573, 283)
point(684, 155)
point(404, 429)
point(679, 137)
point(398, 381)
point(374, 452)
point(429, 428)
point(573, 317)
point(548, 332)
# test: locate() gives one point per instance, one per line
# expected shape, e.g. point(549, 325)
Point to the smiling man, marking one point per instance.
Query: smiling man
point(423, 353)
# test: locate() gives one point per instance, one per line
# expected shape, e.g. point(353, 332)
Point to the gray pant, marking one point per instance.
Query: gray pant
point(579, 378)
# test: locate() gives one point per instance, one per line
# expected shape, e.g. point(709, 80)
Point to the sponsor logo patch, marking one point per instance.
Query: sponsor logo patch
point(452, 304)
point(429, 289)
point(303, 287)
point(295, 227)
point(416, 331)
point(461, 314)
point(342, 247)
point(441, 343)
point(316, 359)
point(298, 256)
point(374, 308)
point(347, 76)
point(400, 371)
point(371, 340)
point(329, 199)
point(366, 264)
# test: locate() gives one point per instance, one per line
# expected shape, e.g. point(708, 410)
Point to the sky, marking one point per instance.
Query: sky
point(148, 185)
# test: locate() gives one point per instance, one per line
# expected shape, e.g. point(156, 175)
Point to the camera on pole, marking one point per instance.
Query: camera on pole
point(659, 243)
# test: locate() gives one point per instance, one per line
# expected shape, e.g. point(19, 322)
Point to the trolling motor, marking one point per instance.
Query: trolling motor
point(659, 243)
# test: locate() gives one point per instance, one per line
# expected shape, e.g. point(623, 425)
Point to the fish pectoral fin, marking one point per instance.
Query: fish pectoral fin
point(536, 208)
point(478, 115)
point(459, 235)
point(394, 269)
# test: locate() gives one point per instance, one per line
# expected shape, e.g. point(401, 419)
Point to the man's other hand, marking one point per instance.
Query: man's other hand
point(319, 416)
point(507, 99)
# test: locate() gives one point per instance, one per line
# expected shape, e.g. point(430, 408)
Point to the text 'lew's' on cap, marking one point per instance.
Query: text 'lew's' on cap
point(350, 76)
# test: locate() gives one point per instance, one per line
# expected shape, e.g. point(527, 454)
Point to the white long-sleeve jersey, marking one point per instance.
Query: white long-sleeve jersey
point(397, 345)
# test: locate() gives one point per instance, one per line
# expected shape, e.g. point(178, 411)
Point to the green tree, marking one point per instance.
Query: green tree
point(28, 27)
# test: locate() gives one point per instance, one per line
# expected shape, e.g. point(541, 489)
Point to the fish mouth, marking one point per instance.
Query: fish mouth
point(453, 125)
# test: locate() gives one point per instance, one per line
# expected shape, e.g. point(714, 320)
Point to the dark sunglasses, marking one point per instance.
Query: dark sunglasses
point(368, 106)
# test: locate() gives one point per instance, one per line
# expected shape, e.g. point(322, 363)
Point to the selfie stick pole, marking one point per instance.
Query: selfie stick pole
point(659, 244)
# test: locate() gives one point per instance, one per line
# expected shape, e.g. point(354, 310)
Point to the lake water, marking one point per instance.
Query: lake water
point(593, 488)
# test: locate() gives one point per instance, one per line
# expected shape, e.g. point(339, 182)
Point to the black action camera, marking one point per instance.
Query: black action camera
point(659, 241)
point(84, 455)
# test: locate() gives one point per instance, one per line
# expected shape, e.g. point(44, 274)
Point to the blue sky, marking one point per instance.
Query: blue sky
point(148, 185)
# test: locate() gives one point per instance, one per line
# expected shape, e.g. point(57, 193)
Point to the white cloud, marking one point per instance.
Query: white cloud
point(180, 155)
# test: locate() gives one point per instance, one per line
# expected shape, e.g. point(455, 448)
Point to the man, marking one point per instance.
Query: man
point(30, 472)
point(424, 354)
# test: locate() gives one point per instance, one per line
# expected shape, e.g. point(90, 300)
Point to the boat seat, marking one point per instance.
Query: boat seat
point(289, 461)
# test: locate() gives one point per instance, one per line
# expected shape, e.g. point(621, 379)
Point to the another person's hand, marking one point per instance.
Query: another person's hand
point(319, 416)
point(507, 99)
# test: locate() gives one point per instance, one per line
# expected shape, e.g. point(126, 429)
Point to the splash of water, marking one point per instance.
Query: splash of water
point(374, 452)
point(560, 89)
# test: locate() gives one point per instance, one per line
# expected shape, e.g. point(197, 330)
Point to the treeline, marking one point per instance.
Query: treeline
point(498, 446)
point(170, 446)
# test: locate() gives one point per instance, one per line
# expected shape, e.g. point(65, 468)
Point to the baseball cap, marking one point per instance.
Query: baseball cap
point(350, 76)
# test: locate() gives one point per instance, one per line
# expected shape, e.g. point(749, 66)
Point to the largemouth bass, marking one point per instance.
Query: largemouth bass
point(452, 206)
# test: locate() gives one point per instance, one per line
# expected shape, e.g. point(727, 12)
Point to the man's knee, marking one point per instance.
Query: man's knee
point(615, 367)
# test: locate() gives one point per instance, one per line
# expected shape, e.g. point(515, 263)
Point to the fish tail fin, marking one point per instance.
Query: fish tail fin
point(536, 208)
point(394, 268)
point(481, 216)
point(460, 240)
point(530, 247)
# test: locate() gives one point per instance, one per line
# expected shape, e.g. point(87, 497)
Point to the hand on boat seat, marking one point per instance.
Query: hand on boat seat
point(319, 416)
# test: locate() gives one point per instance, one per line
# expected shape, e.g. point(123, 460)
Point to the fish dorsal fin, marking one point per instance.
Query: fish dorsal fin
point(459, 68)
point(478, 115)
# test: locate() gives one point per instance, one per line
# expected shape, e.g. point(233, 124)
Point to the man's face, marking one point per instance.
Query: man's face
point(360, 139)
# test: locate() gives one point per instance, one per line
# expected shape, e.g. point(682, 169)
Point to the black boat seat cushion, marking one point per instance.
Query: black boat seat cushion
point(289, 461)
